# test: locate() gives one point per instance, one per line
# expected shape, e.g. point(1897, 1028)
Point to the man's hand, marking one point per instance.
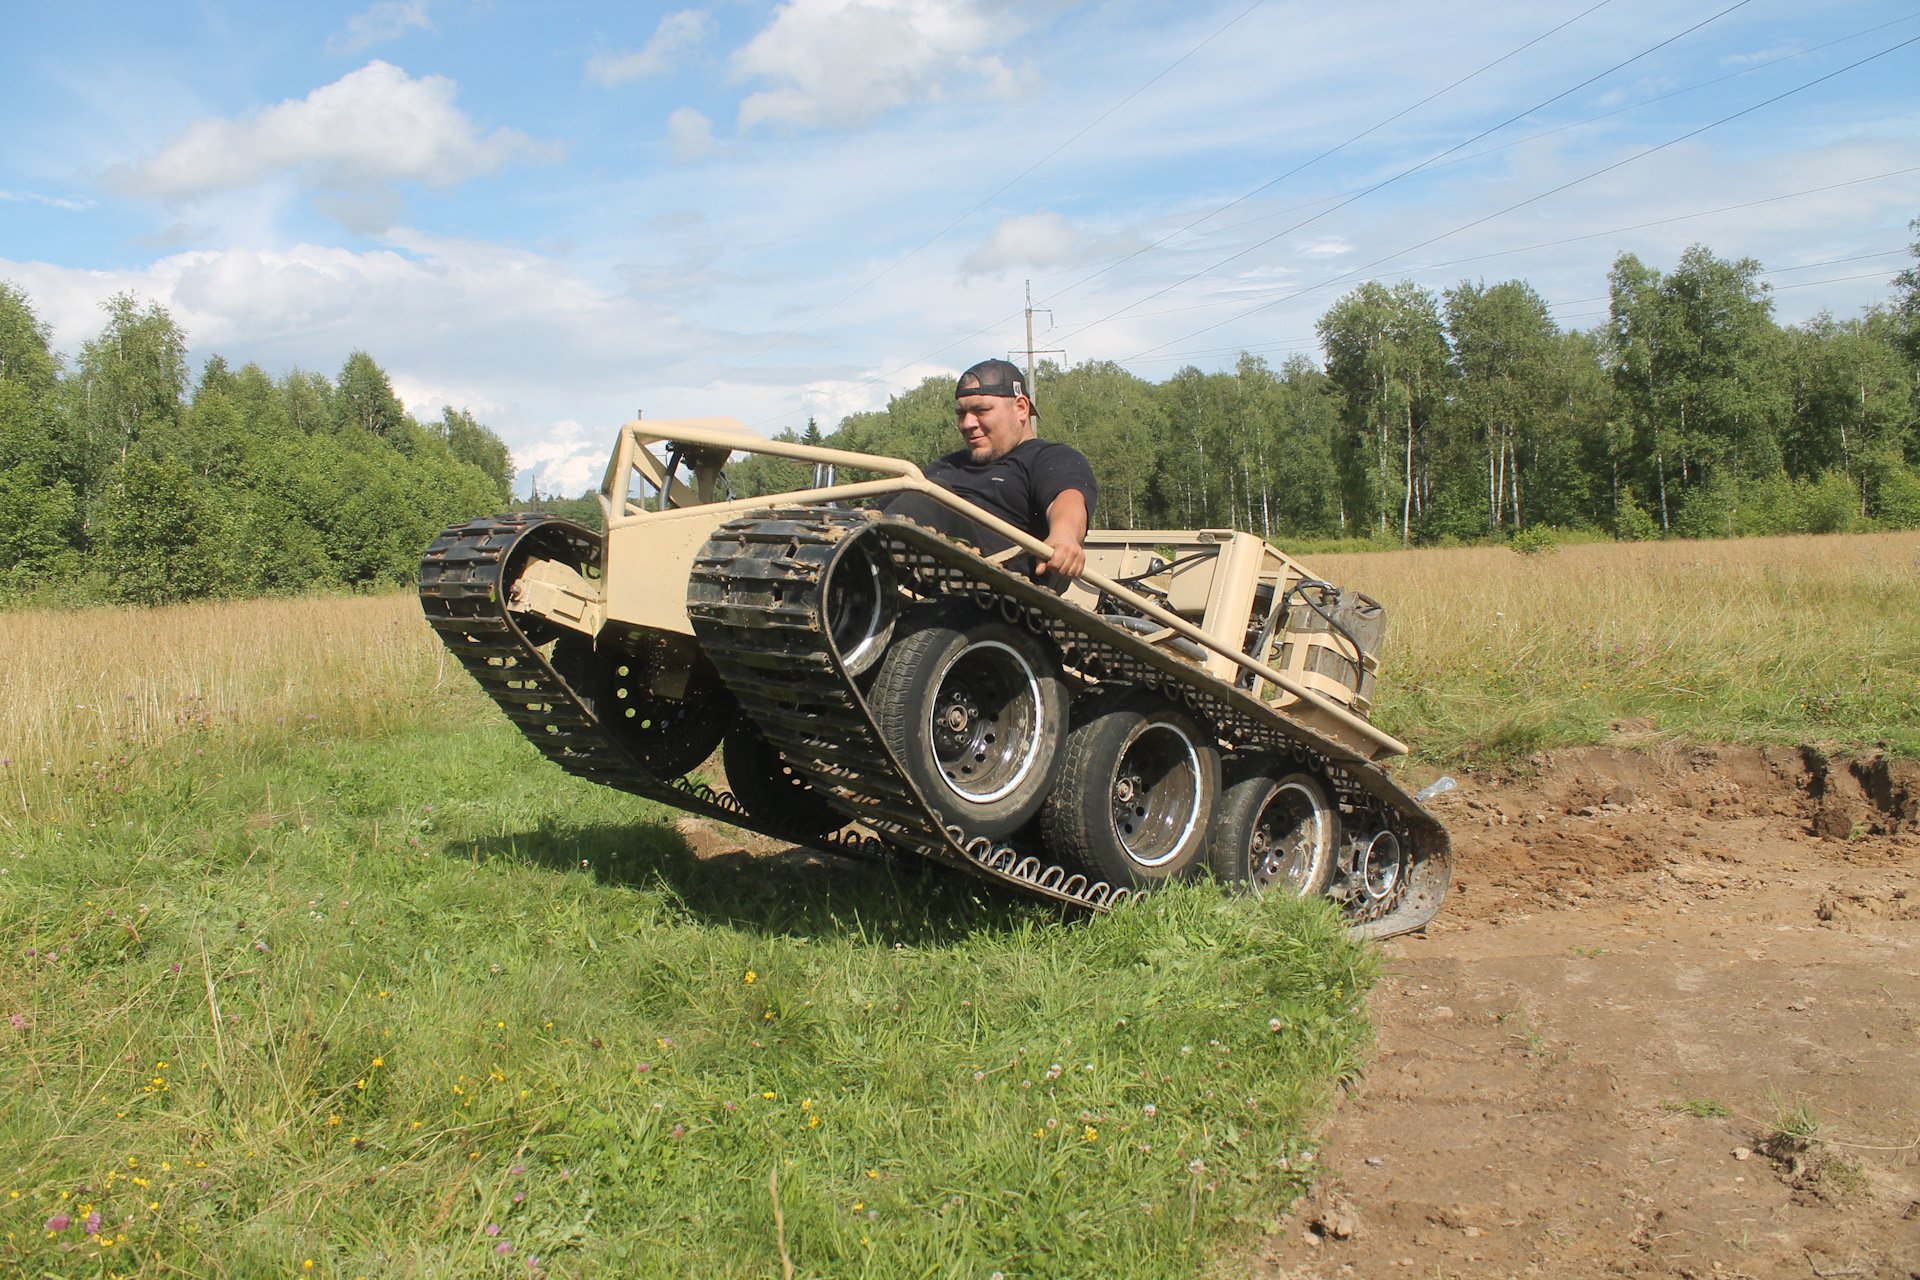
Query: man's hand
point(1066, 530)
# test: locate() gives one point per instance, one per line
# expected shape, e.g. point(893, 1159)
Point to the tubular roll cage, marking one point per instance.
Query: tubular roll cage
point(704, 445)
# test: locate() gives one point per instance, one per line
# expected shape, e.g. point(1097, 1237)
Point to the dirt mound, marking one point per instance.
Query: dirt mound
point(1552, 828)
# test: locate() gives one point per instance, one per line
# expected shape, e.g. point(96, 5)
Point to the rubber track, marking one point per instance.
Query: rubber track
point(460, 593)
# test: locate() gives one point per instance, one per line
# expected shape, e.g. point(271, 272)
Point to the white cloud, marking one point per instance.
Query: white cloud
point(840, 63)
point(677, 34)
point(370, 127)
point(567, 460)
point(388, 20)
point(52, 202)
point(690, 133)
point(1041, 242)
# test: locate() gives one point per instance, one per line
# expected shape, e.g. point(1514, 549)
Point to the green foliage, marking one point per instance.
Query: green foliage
point(1387, 354)
point(759, 474)
point(115, 477)
point(162, 533)
point(1895, 490)
point(1631, 523)
point(473, 444)
point(25, 357)
point(363, 398)
point(37, 519)
point(1829, 503)
point(389, 1004)
point(1534, 540)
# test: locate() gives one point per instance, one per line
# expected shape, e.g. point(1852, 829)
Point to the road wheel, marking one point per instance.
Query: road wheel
point(1274, 832)
point(1136, 793)
point(667, 735)
point(771, 790)
point(975, 708)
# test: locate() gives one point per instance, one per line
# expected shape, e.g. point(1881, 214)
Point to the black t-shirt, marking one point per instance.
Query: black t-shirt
point(1020, 486)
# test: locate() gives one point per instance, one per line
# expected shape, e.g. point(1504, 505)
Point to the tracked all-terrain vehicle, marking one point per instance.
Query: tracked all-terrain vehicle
point(1192, 701)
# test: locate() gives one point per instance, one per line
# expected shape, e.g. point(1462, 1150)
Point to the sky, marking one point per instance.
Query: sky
point(557, 215)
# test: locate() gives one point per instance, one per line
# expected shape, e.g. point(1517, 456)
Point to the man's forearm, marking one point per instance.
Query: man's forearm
point(1066, 532)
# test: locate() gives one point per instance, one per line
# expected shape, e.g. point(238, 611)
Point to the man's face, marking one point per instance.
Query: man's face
point(992, 425)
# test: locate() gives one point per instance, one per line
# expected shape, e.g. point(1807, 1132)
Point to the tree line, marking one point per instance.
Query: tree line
point(1471, 415)
point(1467, 415)
point(123, 480)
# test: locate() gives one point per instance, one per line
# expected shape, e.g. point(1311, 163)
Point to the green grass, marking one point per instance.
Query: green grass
point(385, 1004)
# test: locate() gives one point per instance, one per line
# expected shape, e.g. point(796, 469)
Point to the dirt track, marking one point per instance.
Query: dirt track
point(1638, 942)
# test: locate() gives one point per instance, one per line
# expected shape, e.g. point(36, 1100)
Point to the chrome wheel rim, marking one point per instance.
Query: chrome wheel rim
point(1155, 796)
point(984, 723)
point(1290, 840)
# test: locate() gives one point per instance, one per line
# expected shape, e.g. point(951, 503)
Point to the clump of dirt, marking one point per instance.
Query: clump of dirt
point(1874, 795)
point(1810, 1168)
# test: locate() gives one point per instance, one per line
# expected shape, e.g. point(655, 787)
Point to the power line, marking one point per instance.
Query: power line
point(1534, 137)
point(1682, 92)
point(1366, 191)
point(1336, 148)
point(1283, 295)
point(1533, 199)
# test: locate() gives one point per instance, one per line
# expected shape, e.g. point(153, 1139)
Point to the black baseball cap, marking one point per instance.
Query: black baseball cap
point(993, 378)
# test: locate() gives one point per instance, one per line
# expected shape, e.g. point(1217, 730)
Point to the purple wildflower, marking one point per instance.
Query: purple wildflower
point(59, 1222)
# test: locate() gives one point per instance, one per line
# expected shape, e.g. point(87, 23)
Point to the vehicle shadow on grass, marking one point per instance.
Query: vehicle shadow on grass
point(787, 890)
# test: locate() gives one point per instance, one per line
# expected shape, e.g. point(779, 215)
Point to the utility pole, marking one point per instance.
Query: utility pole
point(1030, 352)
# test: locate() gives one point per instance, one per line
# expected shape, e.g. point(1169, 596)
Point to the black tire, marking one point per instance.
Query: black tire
point(1138, 782)
point(1275, 832)
point(667, 735)
point(975, 708)
point(772, 791)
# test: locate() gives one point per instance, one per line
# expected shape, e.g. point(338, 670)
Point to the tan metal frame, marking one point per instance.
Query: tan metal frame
point(650, 554)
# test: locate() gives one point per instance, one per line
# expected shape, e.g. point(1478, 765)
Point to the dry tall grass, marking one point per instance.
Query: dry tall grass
point(1705, 637)
point(107, 683)
point(1731, 637)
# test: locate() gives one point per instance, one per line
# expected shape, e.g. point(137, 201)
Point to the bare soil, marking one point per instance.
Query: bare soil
point(1667, 1024)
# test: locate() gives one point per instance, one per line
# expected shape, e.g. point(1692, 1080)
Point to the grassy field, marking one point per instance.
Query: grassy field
point(1491, 653)
point(313, 967)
